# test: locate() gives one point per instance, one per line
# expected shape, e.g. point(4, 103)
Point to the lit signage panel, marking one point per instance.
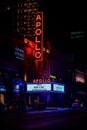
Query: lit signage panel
point(38, 87)
point(58, 88)
point(39, 37)
point(19, 53)
point(2, 89)
point(16, 88)
point(79, 76)
point(77, 35)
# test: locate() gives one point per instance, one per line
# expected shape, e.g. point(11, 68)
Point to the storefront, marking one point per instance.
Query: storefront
point(44, 94)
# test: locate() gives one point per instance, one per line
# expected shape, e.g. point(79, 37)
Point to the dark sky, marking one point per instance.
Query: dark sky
point(62, 17)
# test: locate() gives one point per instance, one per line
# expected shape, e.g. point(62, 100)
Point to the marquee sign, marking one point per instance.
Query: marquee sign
point(39, 37)
point(58, 88)
point(38, 87)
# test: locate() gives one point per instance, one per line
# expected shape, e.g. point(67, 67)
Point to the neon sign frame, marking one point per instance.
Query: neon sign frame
point(39, 37)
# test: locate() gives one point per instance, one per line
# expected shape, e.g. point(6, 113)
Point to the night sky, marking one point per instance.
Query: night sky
point(64, 16)
point(61, 18)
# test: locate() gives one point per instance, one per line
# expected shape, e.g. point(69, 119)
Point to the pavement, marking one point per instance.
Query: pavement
point(48, 109)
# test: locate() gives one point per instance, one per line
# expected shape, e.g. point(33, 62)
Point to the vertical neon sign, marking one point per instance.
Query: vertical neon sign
point(39, 37)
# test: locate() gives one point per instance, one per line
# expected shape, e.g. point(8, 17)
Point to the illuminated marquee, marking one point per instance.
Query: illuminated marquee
point(38, 87)
point(58, 88)
point(39, 37)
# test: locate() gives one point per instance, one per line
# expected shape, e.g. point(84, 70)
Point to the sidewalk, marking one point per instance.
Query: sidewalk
point(48, 110)
point(51, 108)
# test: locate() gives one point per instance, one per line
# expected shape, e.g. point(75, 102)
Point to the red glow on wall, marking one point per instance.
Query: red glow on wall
point(28, 50)
point(29, 43)
point(79, 76)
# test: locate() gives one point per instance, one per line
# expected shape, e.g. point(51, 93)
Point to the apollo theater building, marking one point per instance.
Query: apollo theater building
point(42, 87)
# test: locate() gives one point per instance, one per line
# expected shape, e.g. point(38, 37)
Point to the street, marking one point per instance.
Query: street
point(62, 118)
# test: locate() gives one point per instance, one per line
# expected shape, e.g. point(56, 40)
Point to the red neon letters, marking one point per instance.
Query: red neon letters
point(39, 36)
